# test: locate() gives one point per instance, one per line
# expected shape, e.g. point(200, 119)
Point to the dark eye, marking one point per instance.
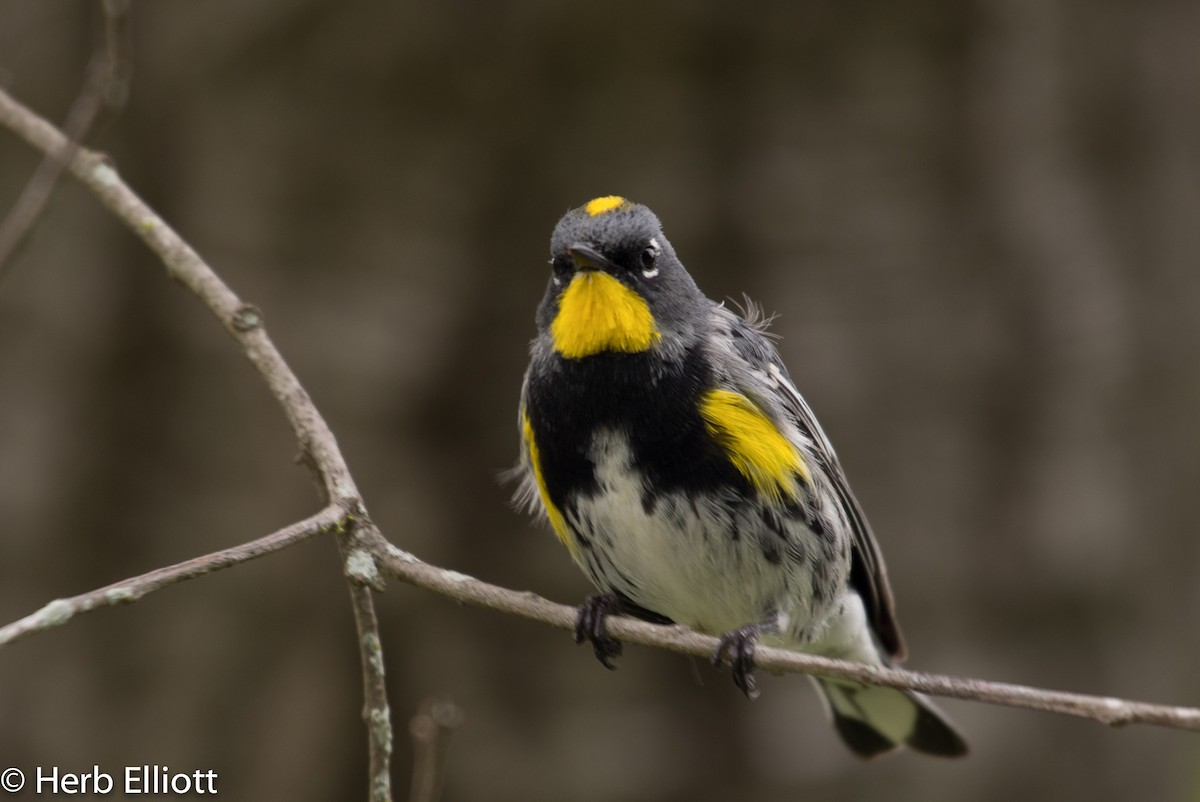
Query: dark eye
point(562, 268)
point(649, 260)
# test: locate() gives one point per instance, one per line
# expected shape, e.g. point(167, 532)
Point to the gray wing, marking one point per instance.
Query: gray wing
point(867, 572)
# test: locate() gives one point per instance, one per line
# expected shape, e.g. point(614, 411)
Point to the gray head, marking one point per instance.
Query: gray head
point(617, 285)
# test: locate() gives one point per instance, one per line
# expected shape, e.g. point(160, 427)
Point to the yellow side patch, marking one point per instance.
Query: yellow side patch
point(598, 206)
point(557, 521)
point(753, 444)
point(597, 313)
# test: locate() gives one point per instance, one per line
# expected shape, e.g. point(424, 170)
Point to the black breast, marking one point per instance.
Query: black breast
point(652, 401)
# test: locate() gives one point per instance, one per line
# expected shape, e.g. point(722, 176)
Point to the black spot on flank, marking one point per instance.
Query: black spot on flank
point(822, 590)
point(770, 517)
point(771, 553)
point(649, 500)
point(817, 525)
point(793, 508)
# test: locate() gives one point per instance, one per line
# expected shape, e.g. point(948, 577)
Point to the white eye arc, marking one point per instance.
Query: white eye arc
point(649, 257)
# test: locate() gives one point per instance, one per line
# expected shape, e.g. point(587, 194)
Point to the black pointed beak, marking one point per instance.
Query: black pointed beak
point(586, 257)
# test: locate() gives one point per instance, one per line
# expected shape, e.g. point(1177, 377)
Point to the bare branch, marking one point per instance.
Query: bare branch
point(127, 591)
point(319, 448)
point(106, 83)
point(363, 575)
point(463, 588)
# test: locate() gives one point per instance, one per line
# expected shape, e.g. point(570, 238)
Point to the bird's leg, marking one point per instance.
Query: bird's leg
point(589, 626)
point(737, 649)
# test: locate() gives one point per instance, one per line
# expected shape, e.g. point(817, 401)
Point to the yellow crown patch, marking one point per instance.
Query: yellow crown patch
point(598, 206)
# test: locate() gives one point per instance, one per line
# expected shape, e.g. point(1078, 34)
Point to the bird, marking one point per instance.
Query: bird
point(666, 444)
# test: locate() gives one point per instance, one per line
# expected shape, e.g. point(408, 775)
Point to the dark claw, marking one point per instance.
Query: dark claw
point(589, 626)
point(737, 649)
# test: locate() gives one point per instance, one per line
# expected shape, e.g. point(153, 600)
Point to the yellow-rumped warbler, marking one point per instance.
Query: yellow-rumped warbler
point(687, 477)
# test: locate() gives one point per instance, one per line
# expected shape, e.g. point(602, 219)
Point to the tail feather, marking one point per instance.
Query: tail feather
point(874, 720)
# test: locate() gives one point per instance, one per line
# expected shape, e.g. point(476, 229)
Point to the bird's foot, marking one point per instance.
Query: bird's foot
point(589, 626)
point(737, 649)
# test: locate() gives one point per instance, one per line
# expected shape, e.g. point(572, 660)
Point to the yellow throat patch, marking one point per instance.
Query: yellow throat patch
point(597, 313)
point(753, 444)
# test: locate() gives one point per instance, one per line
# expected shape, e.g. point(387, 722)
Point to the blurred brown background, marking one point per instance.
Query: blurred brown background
point(979, 222)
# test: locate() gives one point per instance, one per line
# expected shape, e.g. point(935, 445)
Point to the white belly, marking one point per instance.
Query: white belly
point(699, 562)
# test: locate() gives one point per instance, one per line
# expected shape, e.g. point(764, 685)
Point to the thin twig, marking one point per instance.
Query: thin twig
point(244, 322)
point(127, 591)
point(363, 575)
point(431, 729)
point(463, 588)
point(105, 84)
